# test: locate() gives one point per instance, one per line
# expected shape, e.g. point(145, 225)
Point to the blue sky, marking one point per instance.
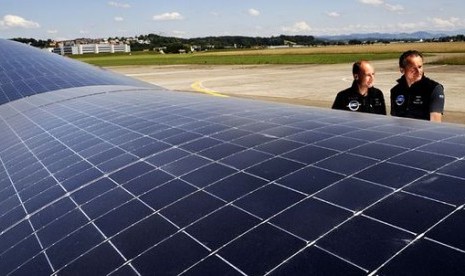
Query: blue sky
point(58, 19)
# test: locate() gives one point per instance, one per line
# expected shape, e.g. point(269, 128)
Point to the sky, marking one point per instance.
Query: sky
point(64, 19)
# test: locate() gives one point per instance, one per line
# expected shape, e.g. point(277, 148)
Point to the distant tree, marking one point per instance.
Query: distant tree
point(354, 42)
point(175, 48)
point(34, 42)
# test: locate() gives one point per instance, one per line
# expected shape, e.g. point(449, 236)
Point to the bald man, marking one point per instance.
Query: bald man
point(362, 96)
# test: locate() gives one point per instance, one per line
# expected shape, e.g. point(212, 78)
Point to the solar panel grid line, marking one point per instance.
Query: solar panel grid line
point(91, 116)
point(175, 177)
point(448, 172)
point(49, 150)
point(425, 197)
point(415, 234)
point(339, 257)
point(429, 167)
point(6, 191)
point(20, 232)
point(24, 89)
point(246, 195)
point(26, 219)
point(85, 131)
point(13, 93)
point(394, 191)
point(343, 182)
point(417, 238)
point(276, 213)
point(222, 259)
point(443, 147)
point(4, 77)
point(58, 270)
point(15, 155)
point(267, 221)
point(3, 96)
point(361, 212)
point(180, 230)
point(78, 207)
point(35, 188)
point(390, 158)
point(445, 245)
point(218, 253)
point(14, 171)
point(107, 239)
point(308, 242)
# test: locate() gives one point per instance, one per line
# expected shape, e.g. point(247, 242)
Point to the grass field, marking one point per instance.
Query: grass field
point(303, 55)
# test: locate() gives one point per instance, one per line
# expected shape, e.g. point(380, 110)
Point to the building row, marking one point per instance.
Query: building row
point(94, 48)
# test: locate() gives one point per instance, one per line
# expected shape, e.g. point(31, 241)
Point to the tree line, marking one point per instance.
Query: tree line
point(172, 44)
point(175, 44)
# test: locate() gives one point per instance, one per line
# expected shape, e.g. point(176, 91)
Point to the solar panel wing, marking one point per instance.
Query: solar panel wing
point(102, 174)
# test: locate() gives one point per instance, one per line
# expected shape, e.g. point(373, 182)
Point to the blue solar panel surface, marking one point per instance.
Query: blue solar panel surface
point(110, 177)
point(25, 71)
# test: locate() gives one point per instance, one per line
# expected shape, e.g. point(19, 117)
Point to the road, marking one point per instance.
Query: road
point(314, 85)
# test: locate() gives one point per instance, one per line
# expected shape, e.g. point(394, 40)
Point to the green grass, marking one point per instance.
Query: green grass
point(445, 53)
point(219, 59)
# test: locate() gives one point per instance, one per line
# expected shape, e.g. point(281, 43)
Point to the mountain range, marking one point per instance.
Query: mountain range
point(393, 36)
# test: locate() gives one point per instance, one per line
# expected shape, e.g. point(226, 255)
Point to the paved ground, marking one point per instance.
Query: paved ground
point(314, 85)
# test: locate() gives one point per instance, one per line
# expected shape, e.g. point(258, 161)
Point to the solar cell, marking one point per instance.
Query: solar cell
point(102, 174)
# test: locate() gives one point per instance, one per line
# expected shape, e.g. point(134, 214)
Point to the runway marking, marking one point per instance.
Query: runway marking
point(197, 86)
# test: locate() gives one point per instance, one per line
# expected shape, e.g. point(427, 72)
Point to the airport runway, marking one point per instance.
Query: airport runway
point(314, 85)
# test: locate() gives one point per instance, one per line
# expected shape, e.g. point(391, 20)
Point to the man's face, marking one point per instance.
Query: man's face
point(366, 77)
point(413, 71)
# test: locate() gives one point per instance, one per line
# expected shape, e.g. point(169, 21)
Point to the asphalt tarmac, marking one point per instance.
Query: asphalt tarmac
point(313, 85)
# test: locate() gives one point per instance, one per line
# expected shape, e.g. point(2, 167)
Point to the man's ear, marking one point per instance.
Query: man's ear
point(355, 77)
point(401, 70)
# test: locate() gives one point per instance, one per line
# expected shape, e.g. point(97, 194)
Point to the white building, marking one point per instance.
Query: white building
point(80, 49)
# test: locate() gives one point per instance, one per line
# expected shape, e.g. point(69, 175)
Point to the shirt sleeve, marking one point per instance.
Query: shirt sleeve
point(338, 102)
point(383, 103)
point(393, 104)
point(437, 99)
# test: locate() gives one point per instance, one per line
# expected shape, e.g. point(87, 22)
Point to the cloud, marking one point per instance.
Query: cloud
point(333, 14)
point(393, 8)
point(410, 26)
point(168, 16)
point(52, 31)
point(119, 5)
point(445, 23)
point(14, 21)
point(372, 2)
point(118, 18)
point(253, 12)
point(381, 3)
point(298, 27)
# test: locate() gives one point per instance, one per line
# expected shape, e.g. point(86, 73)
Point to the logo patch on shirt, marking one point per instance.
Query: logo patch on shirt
point(400, 100)
point(354, 105)
point(418, 100)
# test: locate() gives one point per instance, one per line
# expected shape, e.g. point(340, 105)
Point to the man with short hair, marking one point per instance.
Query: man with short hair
point(415, 95)
point(362, 96)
